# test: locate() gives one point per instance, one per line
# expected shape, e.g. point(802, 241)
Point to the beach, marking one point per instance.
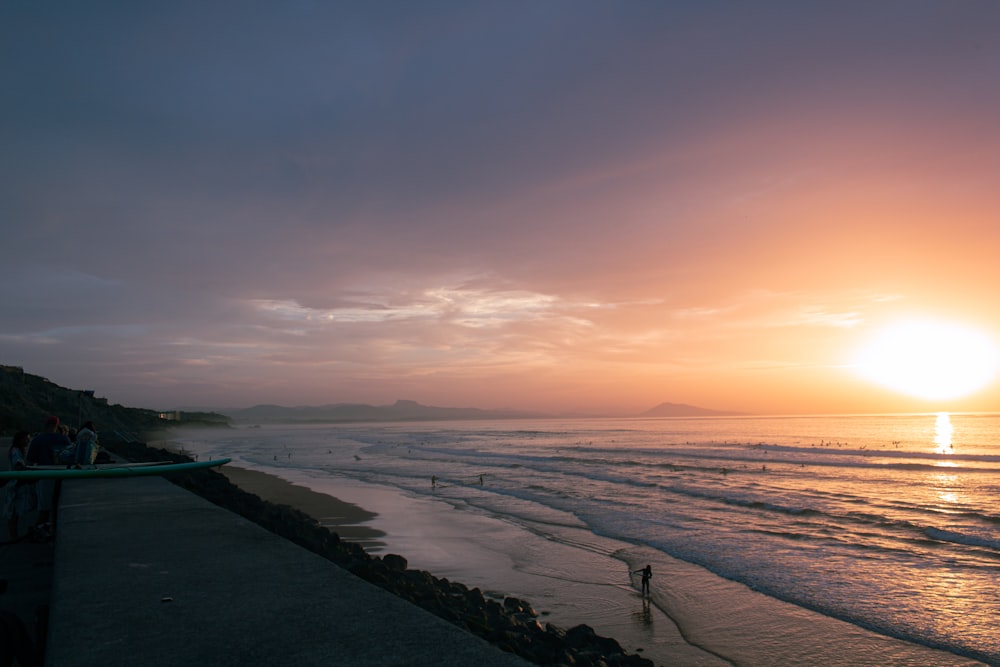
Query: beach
point(345, 519)
point(694, 617)
point(834, 540)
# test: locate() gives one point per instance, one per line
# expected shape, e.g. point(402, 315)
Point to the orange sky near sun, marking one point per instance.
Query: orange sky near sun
point(814, 252)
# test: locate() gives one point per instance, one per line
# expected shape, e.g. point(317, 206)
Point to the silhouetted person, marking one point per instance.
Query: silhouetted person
point(45, 447)
point(647, 574)
point(44, 451)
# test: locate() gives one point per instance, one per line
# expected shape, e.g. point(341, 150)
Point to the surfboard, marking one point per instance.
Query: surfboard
point(104, 466)
point(112, 470)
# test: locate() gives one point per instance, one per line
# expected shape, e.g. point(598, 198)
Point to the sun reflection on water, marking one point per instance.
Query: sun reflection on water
point(943, 431)
point(945, 485)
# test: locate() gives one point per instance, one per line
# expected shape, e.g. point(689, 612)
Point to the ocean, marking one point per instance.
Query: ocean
point(888, 522)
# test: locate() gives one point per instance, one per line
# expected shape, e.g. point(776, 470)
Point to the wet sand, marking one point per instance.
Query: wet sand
point(346, 519)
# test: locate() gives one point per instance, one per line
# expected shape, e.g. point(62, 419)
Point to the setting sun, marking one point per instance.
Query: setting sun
point(929, 360)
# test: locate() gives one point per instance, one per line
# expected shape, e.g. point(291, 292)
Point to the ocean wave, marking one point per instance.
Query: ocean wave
point(730, 459)
point(955, 537)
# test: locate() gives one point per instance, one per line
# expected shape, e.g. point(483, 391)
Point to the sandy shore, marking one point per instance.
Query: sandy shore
point(343, 518)
point(346, 519)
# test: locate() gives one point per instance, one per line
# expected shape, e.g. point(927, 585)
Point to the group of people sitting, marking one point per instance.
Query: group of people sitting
point(55, 445)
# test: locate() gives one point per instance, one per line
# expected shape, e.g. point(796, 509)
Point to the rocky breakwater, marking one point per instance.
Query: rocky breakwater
point(510, 624)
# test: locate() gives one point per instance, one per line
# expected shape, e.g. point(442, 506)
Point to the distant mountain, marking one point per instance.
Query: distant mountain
point(356, 412)
point(684, 410)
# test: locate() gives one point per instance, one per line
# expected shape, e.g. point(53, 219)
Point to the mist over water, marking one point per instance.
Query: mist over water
point(889, 522)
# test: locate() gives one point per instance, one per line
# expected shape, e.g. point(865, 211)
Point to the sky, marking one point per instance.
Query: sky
point(558, 206)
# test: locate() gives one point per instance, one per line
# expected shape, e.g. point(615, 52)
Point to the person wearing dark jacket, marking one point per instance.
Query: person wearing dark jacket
point(44, 451)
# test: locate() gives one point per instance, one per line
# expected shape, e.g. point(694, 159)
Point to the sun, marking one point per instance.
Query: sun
point(929, 359)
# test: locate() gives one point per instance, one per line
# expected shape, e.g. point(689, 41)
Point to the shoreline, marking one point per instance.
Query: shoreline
point(696, 617)
point(427, 539)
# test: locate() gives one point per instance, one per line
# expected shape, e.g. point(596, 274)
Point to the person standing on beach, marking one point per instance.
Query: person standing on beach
point(647, 574)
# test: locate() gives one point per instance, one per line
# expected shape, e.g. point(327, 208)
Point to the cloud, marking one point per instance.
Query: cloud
point(200, 201)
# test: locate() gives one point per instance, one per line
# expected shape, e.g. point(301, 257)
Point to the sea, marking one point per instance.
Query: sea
point(887, 522)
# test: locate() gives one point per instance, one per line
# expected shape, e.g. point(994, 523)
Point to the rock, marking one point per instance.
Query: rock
point(517, 606)
point(394, 562)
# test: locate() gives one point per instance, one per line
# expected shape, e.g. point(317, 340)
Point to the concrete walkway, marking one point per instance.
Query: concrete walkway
point(27, 569)
point(146, 573)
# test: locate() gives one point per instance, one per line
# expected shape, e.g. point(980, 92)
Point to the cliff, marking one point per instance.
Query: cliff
point(26, 400)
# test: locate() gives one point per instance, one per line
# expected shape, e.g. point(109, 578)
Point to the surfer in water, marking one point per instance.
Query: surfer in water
point(647, 574)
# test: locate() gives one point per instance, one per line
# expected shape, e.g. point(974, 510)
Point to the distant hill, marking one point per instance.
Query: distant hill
point(684, 410)
point(356, 412)
point(26, 400)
